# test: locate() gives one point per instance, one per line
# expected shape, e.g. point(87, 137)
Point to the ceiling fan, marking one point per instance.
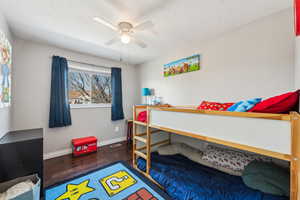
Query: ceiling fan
point(126, 30)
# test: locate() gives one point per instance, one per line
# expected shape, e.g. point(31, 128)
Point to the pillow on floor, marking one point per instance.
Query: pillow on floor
point(230, 159)
point(194, 155)
point(179, 148)
point(218, 167)
point(267, 178)
point(190, 152)
point(244, 106)
point(170, 149)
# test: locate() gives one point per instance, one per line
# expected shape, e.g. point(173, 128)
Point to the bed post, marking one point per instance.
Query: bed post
point(148, 143)
point(133, 140)
point(295, 165)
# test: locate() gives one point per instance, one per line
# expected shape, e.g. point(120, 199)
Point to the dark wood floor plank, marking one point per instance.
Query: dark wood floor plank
point(67, 167)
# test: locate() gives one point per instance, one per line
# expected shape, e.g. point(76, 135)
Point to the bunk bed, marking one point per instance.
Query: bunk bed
point(273, 135)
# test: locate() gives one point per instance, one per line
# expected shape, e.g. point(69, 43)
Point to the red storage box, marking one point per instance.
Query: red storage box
point(84, 145)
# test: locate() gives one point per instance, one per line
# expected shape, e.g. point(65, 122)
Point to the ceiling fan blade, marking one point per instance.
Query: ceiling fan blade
point(139, 43)
point(112, 41)
point(105, 23)
point(144, 26)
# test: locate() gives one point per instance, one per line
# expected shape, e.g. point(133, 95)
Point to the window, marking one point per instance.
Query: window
point(89, 88)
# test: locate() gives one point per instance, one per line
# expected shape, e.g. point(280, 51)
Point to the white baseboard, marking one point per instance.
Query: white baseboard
point(57, 153)
point(69, 150)
point(108, 142)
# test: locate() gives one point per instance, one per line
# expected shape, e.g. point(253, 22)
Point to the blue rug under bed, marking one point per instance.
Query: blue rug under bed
point(116, 181)
point(184, 179)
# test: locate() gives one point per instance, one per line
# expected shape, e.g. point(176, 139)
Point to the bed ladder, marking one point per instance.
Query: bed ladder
point(144, 138)
point(139, 152)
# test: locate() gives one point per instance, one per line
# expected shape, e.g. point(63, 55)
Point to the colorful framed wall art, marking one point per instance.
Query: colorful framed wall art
point(5, 71)
point(184, 65)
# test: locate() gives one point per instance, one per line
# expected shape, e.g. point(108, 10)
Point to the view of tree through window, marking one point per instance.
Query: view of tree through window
point(89, 87)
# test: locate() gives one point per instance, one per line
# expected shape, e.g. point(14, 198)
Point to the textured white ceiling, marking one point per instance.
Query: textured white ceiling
point(68, 23)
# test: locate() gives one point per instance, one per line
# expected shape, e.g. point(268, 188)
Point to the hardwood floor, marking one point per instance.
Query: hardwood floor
point(66, 167)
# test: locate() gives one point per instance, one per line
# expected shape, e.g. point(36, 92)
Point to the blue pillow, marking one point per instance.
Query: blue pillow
point(243, 106)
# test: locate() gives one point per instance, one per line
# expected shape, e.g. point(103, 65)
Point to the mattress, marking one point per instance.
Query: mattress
point(184, 179)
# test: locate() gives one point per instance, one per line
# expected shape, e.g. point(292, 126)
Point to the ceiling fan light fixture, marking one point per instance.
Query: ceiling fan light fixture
point(125, 30)
point(125, 38)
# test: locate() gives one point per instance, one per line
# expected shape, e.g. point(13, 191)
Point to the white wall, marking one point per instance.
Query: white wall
point(256, 60)
point(5, 112)
point(32, 78)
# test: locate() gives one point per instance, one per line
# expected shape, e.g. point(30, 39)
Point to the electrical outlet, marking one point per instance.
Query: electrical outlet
point(117, 129)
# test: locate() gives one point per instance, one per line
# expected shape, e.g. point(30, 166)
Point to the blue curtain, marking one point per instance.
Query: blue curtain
point(59, 115)
point(116, 87)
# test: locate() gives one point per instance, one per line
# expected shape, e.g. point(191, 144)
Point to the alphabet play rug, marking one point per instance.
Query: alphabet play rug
point(117, 181)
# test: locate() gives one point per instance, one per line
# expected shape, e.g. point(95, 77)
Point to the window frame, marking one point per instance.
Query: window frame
point(90, 70)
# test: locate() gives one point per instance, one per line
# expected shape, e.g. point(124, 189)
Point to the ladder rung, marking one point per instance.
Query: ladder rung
point(152, 131)
point(141, 139)
point(141, 154)
point(140, 123)
point(154, 144)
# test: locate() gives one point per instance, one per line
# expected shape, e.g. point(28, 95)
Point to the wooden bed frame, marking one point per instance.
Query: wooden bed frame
point(274, 135)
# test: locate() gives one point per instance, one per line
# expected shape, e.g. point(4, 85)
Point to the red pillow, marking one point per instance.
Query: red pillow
point(206, 105)
point(142, 116)
point(279, 104)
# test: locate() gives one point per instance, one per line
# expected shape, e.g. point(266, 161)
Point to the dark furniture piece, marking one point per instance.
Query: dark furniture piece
point(129, 131)
point(21, 154)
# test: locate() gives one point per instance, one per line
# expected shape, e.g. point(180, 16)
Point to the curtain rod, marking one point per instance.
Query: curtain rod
point(85, 63)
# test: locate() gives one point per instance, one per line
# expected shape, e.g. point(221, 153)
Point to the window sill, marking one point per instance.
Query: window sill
point(79, 106)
